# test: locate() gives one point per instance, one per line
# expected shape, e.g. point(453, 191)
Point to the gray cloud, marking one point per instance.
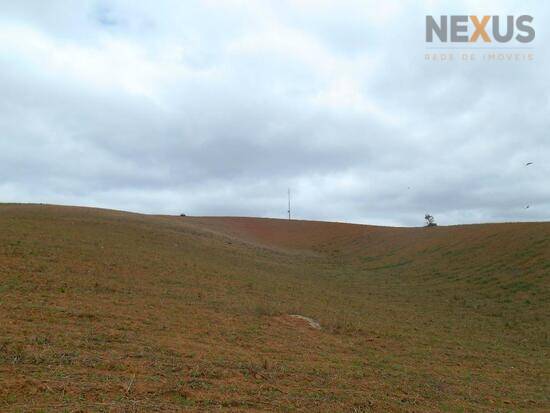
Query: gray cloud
point(216, 108)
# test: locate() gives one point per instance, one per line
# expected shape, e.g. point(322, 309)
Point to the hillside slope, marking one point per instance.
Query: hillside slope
point(111, 311)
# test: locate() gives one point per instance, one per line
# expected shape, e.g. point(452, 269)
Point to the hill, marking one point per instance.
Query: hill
point(111, 311)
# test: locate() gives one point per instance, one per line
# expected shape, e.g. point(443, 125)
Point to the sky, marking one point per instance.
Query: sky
point(217, 107)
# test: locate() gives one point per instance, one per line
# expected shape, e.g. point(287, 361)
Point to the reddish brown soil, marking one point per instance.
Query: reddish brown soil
point(111, 311)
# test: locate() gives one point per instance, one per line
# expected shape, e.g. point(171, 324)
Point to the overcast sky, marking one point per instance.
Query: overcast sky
point(217, 107)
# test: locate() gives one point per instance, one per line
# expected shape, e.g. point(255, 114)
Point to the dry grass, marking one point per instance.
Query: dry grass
point(109, 311)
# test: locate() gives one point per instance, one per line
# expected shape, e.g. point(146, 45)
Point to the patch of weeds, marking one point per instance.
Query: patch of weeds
point(182, 400)
point(12, 353)
point(266, 310)
point(204, 371)
point(198, 384)
point(518, 286)
point(387, 266)
point(41, 340)
point(10, 284)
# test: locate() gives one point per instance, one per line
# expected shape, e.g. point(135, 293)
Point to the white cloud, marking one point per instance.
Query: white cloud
point(217, 107)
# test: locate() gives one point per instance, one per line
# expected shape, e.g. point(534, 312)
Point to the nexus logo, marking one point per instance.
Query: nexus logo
point(472, 29)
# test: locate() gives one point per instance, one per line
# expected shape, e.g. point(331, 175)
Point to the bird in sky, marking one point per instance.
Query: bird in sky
point(528, 206)
point(529, 163)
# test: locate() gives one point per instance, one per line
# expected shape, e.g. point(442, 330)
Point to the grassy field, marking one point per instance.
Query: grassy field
point(111, 311)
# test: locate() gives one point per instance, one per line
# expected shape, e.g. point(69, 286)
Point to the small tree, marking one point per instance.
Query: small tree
point(430, 220)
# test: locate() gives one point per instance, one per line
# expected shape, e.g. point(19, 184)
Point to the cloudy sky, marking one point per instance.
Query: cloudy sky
point(216, 107)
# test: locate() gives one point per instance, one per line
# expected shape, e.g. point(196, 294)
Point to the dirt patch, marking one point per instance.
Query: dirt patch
point(311, 322)
point(299, 321)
